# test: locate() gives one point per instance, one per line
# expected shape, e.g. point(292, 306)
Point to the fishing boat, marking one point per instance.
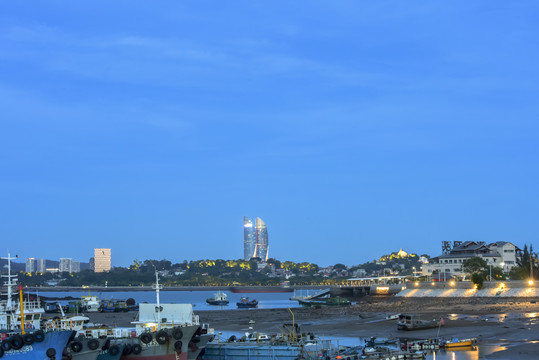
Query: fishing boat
point(20, 333)
point(162, 331)
point(288, 345)
point(324, 302)
point(392, 317)
point(245, 303)
point(412, 322)
point(82, 348)
point(37, 345)
point(91, 303)
point(219, 298)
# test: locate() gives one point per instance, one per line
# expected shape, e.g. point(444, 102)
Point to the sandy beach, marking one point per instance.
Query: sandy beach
point(512, 323)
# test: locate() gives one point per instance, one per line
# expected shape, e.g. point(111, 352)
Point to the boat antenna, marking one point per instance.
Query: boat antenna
point(157, 287)
point(9, 283)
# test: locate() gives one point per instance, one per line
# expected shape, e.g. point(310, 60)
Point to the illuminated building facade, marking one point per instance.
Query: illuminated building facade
point(102, 260)
point(249, 239)
point(255, 239)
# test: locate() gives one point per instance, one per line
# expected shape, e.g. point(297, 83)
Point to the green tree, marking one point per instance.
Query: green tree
point(477, 280)
point(475, 264)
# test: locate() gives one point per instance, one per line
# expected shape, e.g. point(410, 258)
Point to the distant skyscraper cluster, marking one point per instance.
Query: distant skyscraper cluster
point(99, 263)
point(255, 239)
point(40, 265)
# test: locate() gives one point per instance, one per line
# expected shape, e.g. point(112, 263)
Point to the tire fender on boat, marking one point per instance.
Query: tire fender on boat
point(178, 346)
point(76, 346)
point(39, 336)
point(177, 333)
point(51, 352)
point(6, 345)
point(16, 342)
point(114, 350)
point(93, 344)
point(146, 337)
point(136, 349)
point(28, 339)
point(162, 337)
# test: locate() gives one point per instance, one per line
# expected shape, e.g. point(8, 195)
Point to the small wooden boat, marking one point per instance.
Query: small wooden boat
point(411, 322)
point(245, 303)
point(219, 298)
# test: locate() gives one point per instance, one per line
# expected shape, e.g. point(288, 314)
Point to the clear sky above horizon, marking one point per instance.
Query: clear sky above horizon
point(352, 128)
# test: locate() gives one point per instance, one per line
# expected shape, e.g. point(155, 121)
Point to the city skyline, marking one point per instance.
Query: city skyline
point(351, 128)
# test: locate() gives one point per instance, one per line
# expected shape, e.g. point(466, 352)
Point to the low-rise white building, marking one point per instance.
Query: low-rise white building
point(502, 254)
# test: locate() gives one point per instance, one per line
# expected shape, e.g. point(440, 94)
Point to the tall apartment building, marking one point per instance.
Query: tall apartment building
point(41, 265)
point(74, 266)
point(65, 264)
point(102, 260)
point(30, 265)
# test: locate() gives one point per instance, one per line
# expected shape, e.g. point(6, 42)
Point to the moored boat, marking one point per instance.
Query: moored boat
point(456, 343)
point(219, 298)
point(245, 303)
point(412, 322)
point(289, 345)
point(90, 303)
point(38, 345)
point(324, 302)
point(82, 348)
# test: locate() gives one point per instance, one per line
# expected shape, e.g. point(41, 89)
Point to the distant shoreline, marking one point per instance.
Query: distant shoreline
point(165, 288)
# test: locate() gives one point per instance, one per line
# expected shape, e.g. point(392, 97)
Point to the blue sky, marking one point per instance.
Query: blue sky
point(352, 128)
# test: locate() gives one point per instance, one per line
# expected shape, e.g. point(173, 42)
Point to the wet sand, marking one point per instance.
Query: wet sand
point(512, 323)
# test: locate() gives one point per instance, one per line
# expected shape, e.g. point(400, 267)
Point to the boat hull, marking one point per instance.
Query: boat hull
point(460, 344)
point(156, 351)
point(250, 352)
point(215, 302)
point(84, 351)
point(56, 340)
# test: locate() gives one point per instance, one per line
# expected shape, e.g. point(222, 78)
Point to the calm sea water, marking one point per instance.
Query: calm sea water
point(197, 298)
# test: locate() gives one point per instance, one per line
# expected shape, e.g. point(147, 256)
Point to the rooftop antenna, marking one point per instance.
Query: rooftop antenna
point(9, 283)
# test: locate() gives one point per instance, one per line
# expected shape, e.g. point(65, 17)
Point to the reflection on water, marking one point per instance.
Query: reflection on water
point(472, 353)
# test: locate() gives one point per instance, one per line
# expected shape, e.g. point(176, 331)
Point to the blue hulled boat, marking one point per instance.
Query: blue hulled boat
point(245, 303)
point(35, 346)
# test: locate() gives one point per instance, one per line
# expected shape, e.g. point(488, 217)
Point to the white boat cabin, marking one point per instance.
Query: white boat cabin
point(152, 316)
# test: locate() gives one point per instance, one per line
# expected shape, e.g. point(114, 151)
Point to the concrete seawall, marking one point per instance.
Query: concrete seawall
point(518, 289)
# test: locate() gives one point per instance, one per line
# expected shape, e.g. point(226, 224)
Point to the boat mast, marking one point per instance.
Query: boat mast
point(9, 283)
point(158, 307)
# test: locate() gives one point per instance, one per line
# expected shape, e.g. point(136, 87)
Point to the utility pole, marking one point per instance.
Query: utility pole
point(531, 266)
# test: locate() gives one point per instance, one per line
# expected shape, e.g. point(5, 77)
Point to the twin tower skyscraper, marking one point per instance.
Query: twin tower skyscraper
point(255, 239)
